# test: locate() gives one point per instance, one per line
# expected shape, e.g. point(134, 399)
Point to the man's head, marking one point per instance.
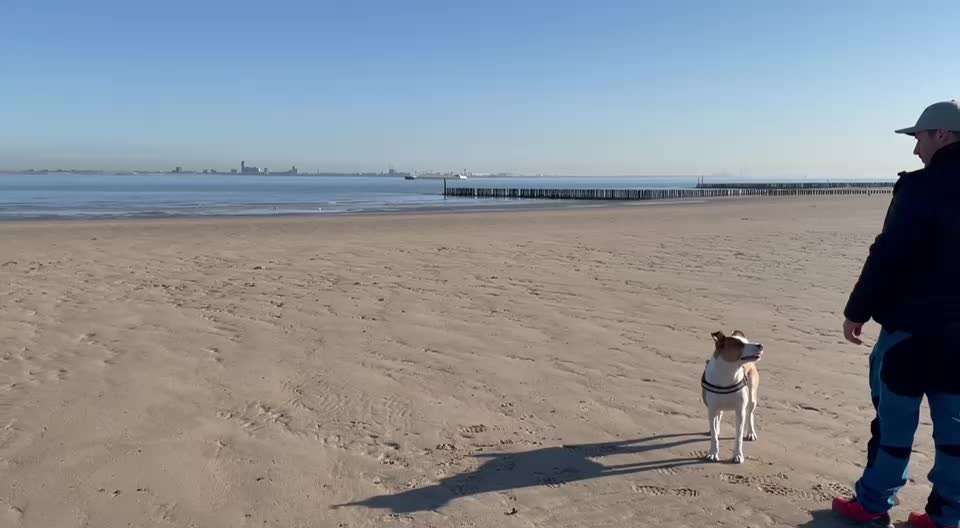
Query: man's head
point(930, 141)
point(937, 127)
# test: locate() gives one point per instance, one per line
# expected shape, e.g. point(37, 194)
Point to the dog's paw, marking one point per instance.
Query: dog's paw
point(750, 437)
point(712, 457)
point(738, 459)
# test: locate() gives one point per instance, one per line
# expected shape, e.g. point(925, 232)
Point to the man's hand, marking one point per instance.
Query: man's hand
point(851, 331)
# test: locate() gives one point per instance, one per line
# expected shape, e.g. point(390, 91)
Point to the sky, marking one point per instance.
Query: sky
point(748, 89)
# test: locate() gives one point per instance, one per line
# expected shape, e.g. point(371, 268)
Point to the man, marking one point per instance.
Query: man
point(910, 285)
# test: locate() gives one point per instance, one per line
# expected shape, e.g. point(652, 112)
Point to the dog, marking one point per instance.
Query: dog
point(730, 382)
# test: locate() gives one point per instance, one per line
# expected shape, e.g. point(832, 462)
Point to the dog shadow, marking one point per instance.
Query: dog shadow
point(548, 466)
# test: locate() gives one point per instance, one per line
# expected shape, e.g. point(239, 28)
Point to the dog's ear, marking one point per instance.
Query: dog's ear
point(738, 333)
point(718, 337)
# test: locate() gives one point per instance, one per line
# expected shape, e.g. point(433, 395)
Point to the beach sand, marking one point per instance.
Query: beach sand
point(516, 369)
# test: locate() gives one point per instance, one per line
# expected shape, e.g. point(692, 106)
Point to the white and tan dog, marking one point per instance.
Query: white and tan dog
point(730, 383)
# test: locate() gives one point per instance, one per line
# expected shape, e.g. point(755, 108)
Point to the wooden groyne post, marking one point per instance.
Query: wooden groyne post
point(703, 191)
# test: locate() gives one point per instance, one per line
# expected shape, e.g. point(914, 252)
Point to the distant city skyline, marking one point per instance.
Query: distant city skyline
point(751, 89)
point(242, 169)
point(245, 170)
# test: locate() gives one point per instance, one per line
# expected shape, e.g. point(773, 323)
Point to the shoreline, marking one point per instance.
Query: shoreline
point(496, 205)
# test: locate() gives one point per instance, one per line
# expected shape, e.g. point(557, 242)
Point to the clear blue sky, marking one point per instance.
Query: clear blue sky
point(765, 88)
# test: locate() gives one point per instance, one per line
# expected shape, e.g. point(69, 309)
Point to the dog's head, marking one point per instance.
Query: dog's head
point(735, 347)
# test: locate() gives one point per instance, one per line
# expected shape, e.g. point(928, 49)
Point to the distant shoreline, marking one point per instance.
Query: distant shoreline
point(722, 179)
point(194, 173)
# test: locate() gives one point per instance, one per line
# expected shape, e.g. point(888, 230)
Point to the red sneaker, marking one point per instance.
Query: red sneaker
point(921, 520)
point(851, 510)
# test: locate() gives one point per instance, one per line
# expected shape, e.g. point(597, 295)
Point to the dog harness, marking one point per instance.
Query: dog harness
point(717, 389)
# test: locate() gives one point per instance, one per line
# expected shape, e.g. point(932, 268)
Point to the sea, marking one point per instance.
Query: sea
point(107, 195)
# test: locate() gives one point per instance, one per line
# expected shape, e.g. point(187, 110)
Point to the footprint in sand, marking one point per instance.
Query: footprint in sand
point(57, 375)
point(733, 478)
point(828, 489)
point(12, 515)
point(655, 491)
point(772, 485)
point(685, 492)
point(592, 451)
point(551, 481)
point(258, 415)
point(164, 513)
point(214, 354)
point(473, 429)
point(392, 460)
point(736, 478)
point(780, 490)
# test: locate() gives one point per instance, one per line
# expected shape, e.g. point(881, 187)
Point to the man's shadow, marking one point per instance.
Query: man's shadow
point(828, 519)
point(549, 466)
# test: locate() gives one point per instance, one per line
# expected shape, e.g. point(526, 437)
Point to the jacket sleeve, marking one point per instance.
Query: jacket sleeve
point(907, 226)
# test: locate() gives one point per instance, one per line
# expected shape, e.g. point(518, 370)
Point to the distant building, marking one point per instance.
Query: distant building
point(244, 169)
point(250, 169)
point(291, 172)
point(400, 174)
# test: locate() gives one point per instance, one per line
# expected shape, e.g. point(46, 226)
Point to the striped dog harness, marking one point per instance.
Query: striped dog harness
point(717, 389)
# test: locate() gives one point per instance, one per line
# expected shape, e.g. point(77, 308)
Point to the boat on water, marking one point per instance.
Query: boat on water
point(435, 176)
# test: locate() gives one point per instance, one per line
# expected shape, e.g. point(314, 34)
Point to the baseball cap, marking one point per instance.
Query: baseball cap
point(943, 115)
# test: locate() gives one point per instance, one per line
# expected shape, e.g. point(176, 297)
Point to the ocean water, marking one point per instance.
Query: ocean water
point(59, 195)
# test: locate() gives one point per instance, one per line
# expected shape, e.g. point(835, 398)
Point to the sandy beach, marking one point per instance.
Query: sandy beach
point(535, 368)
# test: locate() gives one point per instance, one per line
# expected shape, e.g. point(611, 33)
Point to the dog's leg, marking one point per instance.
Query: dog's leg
point(741, 425)
point(753, 383)
point(751, 427)
point(715, 417)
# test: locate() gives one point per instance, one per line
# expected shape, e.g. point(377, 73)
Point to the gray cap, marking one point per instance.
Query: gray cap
point(943, 115)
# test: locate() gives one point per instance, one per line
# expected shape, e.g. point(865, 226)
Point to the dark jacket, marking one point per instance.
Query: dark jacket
point(911, 278)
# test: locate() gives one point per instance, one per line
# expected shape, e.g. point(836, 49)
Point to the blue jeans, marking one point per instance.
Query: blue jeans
point(903, 369)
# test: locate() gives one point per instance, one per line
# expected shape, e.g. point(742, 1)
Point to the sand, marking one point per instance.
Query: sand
point(514, 369)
